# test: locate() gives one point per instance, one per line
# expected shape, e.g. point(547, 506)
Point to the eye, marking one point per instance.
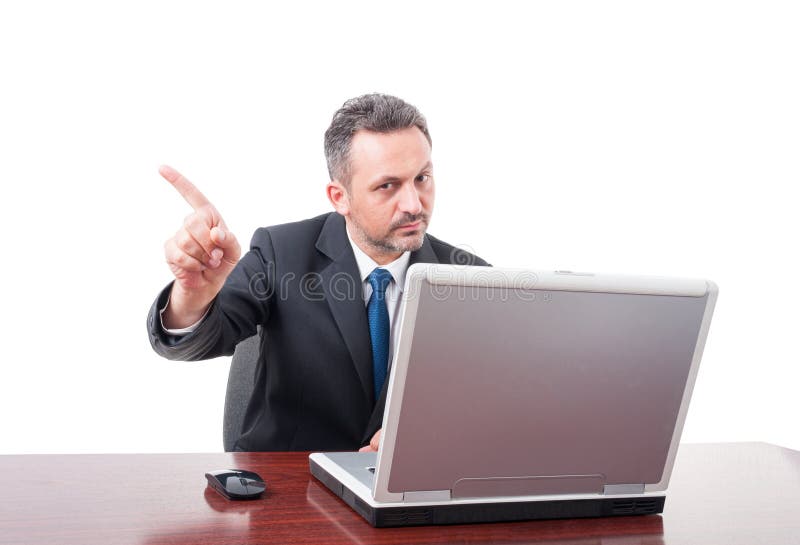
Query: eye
point(387, 185)
point(423, 178)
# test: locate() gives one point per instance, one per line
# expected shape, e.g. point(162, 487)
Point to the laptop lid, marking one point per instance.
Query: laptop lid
point(509, 382)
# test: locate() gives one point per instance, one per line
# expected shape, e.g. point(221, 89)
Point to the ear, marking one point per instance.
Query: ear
point(339, 197)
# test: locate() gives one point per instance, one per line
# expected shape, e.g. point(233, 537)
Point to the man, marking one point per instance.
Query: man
point(324, 290)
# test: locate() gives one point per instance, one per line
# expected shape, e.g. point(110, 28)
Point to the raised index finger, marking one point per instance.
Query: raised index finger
point(186, 188)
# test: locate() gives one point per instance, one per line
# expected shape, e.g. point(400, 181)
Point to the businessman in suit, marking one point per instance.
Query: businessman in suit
point(325, 290)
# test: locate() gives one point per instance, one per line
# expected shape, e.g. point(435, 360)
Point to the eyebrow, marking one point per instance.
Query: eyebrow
point(389, 178)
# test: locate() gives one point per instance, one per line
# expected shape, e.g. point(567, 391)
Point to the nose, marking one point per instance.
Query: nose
point(409, 200)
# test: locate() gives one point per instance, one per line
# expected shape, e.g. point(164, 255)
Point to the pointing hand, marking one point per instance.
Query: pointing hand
point(201, 255)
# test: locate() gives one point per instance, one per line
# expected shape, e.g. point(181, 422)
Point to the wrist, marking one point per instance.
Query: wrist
point(184, 309)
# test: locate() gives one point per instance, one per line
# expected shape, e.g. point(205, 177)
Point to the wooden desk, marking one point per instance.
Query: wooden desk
point(727, 494)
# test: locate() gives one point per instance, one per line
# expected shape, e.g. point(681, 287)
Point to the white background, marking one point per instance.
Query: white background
point(635, 137)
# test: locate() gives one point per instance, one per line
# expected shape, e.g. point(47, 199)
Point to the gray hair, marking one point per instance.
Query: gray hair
point(373, 112)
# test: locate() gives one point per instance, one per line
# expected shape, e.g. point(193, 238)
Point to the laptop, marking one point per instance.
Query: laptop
point(520, 394)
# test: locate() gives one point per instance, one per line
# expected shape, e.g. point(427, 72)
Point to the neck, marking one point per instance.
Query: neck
point(382, 259)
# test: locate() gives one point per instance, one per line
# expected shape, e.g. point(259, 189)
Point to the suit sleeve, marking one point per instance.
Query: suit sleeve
point(243, 303)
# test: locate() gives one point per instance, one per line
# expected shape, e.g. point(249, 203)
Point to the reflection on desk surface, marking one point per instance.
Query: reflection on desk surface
point(641, 530)
point(736, 493)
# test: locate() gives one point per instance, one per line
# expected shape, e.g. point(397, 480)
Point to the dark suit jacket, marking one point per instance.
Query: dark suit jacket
point(300, 281)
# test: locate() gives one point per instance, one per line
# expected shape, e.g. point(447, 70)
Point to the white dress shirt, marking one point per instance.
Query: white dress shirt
point(394, 290)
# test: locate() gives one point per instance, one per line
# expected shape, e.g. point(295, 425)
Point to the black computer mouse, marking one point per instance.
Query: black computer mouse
point(236, 484)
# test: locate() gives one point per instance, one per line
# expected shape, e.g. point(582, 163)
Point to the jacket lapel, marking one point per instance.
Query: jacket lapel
point(424, 255)
point(341, 283)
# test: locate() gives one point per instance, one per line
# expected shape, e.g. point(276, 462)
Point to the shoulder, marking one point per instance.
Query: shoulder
point(295, 233)
point(447, 253)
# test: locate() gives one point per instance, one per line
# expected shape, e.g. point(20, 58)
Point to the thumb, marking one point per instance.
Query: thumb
point(222, 237)
point(226, 241)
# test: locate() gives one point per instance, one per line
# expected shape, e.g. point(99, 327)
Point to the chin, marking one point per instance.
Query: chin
point(410, 243)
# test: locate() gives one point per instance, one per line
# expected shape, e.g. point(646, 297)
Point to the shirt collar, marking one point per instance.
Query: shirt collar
point(366, 264)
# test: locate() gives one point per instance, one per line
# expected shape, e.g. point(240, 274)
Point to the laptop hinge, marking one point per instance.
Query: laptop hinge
point(426, 495)
point(613, 489)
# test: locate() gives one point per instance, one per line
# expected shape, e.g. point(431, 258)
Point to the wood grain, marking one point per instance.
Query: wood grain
point(721, 493)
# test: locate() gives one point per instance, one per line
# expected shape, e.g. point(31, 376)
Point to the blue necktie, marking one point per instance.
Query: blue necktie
point(378, 316)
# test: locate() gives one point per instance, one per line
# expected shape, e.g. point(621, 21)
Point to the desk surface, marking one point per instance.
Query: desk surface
point(734, 493)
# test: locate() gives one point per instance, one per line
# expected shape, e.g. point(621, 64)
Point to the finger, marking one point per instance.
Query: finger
point(227, 241)
point(375, 442)
point(186, 188)
point(175, 256)
point(188, 245)
point(200, 232)
point(205, 215)
point(223, 238)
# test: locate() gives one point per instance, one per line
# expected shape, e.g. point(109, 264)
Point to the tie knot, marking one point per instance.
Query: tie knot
point(379, 279)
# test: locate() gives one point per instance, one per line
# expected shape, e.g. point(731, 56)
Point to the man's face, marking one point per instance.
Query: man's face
point(389, 202)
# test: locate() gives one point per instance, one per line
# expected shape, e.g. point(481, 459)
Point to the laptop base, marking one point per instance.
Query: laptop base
point(424, 515)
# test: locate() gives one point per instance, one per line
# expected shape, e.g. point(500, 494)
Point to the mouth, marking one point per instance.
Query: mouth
point(410, 226)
